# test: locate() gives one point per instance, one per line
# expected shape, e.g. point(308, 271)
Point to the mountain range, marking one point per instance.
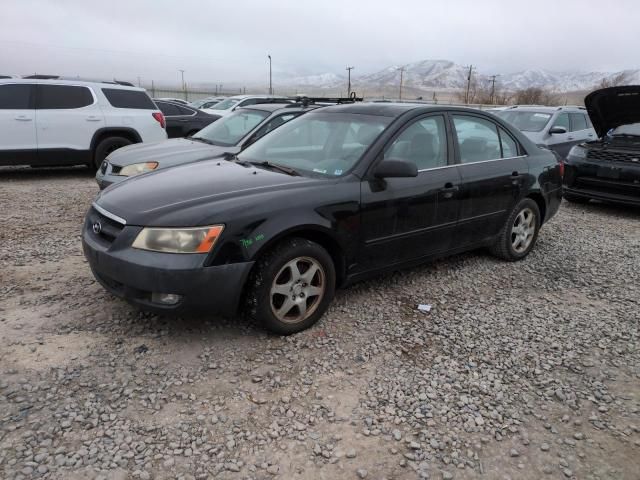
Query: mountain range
point(445, 75)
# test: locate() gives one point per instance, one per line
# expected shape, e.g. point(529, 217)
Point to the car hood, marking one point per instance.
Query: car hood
point(196, 194)
point(168, 153)
point(611, 107)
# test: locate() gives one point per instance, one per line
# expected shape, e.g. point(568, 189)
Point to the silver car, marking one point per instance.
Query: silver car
point(555, 128)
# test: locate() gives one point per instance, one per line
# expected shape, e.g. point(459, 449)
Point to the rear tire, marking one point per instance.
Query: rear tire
point(291, 286)
point(105, 147)
point(520, 231)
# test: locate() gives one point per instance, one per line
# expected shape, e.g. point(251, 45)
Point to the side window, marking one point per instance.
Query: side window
point(578, 122)
point(424, 143)
point(121, 98)
point(15, 96)
point(562, 121)
point(273, 124)
point(62, 97)
point(477, 139)
point(248, 101)
point(509, 145)
point(168, 109)
point(185, 110)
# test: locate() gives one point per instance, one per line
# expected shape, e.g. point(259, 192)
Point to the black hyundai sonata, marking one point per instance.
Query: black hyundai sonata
point(330, 198)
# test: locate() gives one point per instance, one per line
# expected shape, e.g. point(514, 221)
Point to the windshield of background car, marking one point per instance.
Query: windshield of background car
point(226, 104)
point(319, 144)
point(525, 121)
point(231, 129)
point(629, 129)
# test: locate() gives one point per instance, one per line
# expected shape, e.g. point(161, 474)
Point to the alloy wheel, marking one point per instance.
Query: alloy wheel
point(523, 230)
point(297, 289)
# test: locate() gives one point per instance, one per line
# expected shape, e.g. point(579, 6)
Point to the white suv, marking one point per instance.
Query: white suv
point(55, 121)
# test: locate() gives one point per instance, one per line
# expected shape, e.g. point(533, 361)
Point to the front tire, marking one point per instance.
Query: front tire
point(106, 146)
point(291, 286)
point(519, 233)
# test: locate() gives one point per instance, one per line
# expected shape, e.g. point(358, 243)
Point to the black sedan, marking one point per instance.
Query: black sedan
point(184, 121)
point(332, 197)
point(228, 136)
point(609, 168)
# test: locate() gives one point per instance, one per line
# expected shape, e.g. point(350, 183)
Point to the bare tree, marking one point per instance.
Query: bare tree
point(482, 91)
point(535, 96)
point(621, 78)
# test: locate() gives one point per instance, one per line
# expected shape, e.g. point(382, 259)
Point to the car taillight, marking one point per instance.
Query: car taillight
point(159, 117)
point(561, 168)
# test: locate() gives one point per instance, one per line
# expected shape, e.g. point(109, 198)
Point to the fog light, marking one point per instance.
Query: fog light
point(165, 298)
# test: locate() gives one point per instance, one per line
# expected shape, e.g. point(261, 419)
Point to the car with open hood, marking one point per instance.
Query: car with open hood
point(608, 168)
point(226, 136)
point(332, 197)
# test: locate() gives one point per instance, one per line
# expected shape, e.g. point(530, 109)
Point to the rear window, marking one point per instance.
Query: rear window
point(62, 97)
point(15, 97)
point(128, 99)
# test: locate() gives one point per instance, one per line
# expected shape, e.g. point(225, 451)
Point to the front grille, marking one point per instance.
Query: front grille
point(613, 155)
point(108, 229)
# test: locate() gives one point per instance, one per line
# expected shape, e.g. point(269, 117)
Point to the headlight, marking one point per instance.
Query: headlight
point(137, 169)
point(178, 240)
point(578, 152)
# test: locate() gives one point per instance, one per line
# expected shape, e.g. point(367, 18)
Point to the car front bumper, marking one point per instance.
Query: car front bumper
point(135, 275)
point(604, 196)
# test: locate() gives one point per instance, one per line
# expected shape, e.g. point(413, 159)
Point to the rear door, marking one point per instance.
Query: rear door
point(407, 218)
point(492, 171)
point(67, 118)
point(18, 141)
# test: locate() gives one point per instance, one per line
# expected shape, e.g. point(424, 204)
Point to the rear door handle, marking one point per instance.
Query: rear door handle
point(23, 118)
point(93, 118)
point(515, 178)
point(449, 189)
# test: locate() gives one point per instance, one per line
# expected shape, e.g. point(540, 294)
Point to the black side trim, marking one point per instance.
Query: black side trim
point(50, 157)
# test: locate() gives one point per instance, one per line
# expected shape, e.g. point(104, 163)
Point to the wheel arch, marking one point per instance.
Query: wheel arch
point(106, 132)
point(542, 204)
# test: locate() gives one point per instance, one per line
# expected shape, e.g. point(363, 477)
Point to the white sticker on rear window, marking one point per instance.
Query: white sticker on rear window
point(319, 170)
point(541, 115)
point(337, 172)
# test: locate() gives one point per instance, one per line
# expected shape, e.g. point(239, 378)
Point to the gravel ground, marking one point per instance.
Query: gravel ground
point(521, 370)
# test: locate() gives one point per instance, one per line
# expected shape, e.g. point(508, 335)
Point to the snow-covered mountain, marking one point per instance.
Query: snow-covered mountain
point(447, 75)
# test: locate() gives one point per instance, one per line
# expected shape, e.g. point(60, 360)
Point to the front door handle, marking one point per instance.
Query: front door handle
point(93, 118)
point(23, 118)
point(449, 189)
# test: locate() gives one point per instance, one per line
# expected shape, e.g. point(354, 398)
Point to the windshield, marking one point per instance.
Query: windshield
point(525, 121)
point(230, 130)
point(227, 104)
point(319, 144)
point(629, 129)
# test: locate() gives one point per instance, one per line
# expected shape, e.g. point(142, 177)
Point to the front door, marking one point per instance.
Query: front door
point(561, 143)
point(493, 173)
point(18, 143)
point(404, 219)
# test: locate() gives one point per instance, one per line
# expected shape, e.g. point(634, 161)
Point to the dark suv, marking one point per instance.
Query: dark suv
point(608, 168)
point(329, 198)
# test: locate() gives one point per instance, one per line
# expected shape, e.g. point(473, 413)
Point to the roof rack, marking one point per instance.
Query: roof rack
point(572, 106)
point(39, 76)
point(306, 100)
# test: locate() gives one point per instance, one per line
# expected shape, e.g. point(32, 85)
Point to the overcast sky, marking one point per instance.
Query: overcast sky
point(228, 41)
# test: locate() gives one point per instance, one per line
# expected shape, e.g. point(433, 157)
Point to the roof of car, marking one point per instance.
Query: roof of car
point(389, 109)
point(545, 109)
point(73, 81)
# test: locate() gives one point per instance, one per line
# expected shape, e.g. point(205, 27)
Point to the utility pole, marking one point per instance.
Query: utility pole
point(493, 89)
point(349, 81)
point(402, 69)
point(270, 77)
point(466, 97)
point(182, 76)
point(138, 81)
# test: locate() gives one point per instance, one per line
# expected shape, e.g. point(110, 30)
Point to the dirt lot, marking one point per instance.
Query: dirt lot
point(524, 371)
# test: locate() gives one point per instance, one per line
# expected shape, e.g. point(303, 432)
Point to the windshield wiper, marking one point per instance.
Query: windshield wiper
point(275, 166)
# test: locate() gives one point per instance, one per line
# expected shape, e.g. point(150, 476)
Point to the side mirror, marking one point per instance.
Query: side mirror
point(557, 130)
point(389, 168)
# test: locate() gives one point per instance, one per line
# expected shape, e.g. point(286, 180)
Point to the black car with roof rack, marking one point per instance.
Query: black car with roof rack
point(334, 196)
point(608, 168)
point(229, 135)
